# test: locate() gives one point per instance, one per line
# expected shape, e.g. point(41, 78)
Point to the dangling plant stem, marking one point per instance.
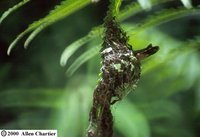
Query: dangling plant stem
point(120, 73)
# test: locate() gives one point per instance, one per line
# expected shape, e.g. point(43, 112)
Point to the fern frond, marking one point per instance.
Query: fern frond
point(72, 48)
point(34, 34)
point(164, 16)
point(66, 8)
point(19, 37)
point(82, 59)
point(14, 8)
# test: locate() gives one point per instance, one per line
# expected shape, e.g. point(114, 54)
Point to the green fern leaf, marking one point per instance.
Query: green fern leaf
point(72, 48)
point(19, 37)
point(82, 59)
point(14, 8)
point(33, 34)
point(66, 8)
point(164, 16)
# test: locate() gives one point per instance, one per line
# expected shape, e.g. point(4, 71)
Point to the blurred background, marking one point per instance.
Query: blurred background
point(37, 93)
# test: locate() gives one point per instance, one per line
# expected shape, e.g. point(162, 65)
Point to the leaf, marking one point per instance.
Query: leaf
point(34, 33)
point(14, 8)
point(66, 8)
point(164, 16)
point(19, 37)
point(129, 121)
point(72, 48)
point(82, 59)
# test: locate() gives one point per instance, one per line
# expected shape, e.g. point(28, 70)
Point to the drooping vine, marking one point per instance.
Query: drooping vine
point(119, 74)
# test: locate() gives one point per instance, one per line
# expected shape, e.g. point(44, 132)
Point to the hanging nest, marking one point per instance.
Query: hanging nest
point(120, 73)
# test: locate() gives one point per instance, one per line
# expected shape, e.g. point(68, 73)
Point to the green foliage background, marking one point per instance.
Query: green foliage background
point(36, 93)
